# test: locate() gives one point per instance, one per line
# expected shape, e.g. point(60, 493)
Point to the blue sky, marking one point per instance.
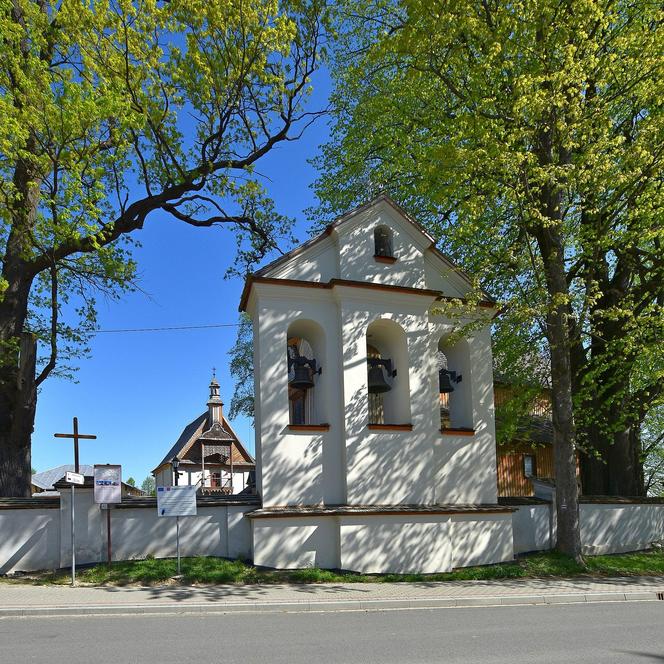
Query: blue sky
point(138, 390)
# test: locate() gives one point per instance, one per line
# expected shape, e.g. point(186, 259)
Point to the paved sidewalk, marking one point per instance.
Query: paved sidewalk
point(27, 600)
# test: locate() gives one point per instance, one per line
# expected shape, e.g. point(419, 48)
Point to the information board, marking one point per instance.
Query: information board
point(108, 483)
point(176, 501)
point(74, 478)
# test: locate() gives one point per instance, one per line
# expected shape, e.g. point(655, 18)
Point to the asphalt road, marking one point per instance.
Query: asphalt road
point(575, 634)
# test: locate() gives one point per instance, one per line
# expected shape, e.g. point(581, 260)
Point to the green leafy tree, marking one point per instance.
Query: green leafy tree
point(652, 436)
point(148, 486)
point(530, 136)
point(242, 370)
point(131, 481)
point(112, 114)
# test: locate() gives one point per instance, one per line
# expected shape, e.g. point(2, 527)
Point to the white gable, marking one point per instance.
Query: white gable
point(356, 248)
point(317, 262)
point(346, 251)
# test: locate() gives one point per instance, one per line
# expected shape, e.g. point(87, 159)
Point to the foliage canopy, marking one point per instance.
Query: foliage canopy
point(527, 136)
point(114, 111)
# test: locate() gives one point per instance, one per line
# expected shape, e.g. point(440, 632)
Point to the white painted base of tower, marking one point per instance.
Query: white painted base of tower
point(383, 543)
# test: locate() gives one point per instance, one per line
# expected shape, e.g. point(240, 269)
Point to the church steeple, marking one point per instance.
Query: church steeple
point(215, 404)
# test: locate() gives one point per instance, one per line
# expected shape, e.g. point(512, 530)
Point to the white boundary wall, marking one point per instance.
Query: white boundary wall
point(531, 526)
point(29, 539)
point(617, 528)
point(605, 527)
point(39, 538)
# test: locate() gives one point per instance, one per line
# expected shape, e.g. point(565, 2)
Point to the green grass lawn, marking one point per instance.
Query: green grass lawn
point(219, 570)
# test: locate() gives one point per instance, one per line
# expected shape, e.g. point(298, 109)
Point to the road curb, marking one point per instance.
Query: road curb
point(322, 606)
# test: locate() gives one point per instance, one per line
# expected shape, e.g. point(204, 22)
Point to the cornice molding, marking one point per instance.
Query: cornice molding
point(348, 283)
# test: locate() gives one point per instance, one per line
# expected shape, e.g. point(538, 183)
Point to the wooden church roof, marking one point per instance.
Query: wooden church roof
point(200, 429)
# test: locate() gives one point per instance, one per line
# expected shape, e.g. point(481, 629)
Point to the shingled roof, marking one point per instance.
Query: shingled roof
point(534, 429)
point(47, 479)
point(197, 429)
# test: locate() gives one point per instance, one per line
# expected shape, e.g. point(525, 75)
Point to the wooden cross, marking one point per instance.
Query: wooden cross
point(76, 436)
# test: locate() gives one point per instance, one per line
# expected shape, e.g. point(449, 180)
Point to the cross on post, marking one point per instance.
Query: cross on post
point(76, 436)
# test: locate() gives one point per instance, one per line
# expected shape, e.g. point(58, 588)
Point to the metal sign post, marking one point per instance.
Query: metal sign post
point(109, 549)
point(74, 478)
point(73, 540)
point(176, 501)
point(177, 540)
point(107, 492)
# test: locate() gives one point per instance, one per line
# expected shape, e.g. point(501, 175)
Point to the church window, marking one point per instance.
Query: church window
point(529, 468)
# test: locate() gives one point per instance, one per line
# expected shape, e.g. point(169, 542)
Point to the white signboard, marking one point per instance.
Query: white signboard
point(74, 478)
point(108, 483)
point(176, 501)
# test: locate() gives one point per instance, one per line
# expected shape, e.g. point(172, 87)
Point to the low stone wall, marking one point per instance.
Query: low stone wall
point(214, 531)
point(35, 533)
point(618, 527)
point(531, 526)
point(608, 524)
point(29, 535)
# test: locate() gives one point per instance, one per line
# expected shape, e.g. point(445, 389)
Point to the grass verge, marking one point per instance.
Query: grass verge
point(202, 570)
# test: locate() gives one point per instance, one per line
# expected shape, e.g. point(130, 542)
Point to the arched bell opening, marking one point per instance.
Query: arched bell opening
point(388, 387)
point(445, 388)
point(454, 384)
point(378, 383)
point(304, 350)
point(383, 245)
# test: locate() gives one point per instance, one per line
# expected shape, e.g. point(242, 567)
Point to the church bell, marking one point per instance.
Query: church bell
point(303, 373)
point(445, 380)
point(376, 375)
point(383, 245)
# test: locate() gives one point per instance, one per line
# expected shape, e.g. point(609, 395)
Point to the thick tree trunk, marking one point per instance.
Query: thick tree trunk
point(593, 464)
point(17, 356)
point(612, 410)
point(594, 475)
point(551, 246)
point(18, 400)
point(613, 465)
point(567, 492)
point(619, 470)
point(624, 466)
point(17, 384)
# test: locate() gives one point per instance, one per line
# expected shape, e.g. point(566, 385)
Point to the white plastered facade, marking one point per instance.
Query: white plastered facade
point(333, 287)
